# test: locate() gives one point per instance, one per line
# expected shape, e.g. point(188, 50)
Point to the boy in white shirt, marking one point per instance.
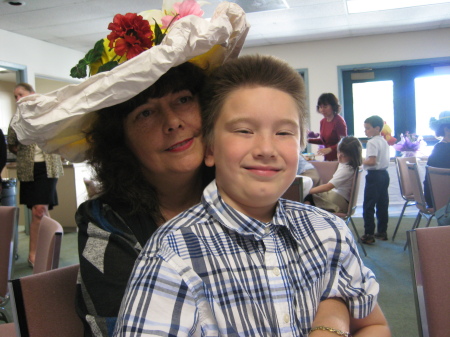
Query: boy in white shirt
point(377, 182)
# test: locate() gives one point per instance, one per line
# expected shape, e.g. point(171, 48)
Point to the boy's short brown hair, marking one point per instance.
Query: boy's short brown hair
point(250, 71)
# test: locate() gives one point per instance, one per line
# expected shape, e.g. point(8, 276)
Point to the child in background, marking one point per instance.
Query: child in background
point(377, 182)
point(244, 262)
point(334, 195)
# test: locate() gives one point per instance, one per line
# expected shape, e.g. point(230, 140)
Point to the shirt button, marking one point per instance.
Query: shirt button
point(276, 271)
point(286, 318)
point(267, 230)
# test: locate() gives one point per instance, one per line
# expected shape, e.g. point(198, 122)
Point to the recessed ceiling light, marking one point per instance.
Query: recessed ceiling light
point(361, 6)
point(17, 3)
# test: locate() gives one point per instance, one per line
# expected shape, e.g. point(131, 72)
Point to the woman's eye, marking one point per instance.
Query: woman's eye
point(145, 113)
point(185, 99)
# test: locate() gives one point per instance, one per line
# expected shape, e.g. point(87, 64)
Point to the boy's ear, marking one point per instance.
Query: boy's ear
point(209, 156)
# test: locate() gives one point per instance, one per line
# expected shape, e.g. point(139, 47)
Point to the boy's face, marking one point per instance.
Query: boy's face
point(370, 131)
point(255, 149)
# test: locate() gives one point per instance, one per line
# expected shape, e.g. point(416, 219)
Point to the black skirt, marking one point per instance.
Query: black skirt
point(41, 191)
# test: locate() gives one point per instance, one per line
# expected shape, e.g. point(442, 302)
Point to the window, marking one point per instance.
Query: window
point(405, 96)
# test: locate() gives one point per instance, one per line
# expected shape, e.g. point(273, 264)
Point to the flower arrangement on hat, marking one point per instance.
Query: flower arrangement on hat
point(132, 33)
point(410, 144)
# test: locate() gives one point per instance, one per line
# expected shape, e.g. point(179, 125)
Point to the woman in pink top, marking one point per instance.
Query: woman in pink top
point(332, 126)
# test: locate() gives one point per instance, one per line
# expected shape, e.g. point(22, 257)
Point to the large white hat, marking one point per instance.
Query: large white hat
point(56, 121)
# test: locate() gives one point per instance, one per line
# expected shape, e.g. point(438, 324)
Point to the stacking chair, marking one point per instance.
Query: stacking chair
point(439, 182)
point(347, 217)
point(48, 245)
point(44, 304)
point(325, 169)
point(405, 186)
point(295, 190)
point(419, 197)
point(9, 217)
point(429, 256)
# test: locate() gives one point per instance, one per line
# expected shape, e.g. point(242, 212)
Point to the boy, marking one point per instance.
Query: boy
point(243, 262)
point(377, 182)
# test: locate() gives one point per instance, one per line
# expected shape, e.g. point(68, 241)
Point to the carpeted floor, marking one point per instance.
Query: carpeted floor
point(387, 259)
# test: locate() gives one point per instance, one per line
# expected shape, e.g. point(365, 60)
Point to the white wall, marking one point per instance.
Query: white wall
point(322, 58)
point(40, 58)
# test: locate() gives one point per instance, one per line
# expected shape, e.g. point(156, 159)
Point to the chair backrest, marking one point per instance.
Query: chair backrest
point(9, 217)
point(295, 190)
point(416, 184)
point(403, 176)
point(429, 256)
point(44, 304)
point(439, 182)
point(48, 245)
point(325, 169)
point(354, 192)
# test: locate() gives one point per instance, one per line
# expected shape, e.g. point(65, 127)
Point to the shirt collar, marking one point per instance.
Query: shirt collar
point(237, 221)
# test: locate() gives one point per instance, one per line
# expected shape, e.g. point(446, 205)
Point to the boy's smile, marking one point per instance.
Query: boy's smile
point(255, 149)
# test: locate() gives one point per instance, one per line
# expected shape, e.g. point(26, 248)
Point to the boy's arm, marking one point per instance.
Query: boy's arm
point(374, 325)
point(371, 161)
point(331, 313)
point(321, 188)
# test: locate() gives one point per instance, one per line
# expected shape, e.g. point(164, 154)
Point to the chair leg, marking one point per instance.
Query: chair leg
point(399, 220)
point(414, 226)
point(357, 235)
point(429, 220)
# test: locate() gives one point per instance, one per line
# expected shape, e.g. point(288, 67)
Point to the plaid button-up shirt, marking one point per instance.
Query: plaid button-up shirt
point(213, 271)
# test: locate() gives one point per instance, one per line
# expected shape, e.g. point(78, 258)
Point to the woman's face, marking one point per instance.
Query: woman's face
point(20, 92)
point(326, 110)
point(165, 135)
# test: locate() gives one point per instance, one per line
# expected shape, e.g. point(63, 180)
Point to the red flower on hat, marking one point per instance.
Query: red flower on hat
point(130, 35)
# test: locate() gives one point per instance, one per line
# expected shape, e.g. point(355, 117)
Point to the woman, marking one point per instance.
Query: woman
point(332, 126)
point(144, 143)
point(440, 157)
point(147, 153)
point(38, 173)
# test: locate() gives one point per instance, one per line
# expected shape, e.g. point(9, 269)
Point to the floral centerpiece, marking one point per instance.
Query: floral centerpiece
point(132, 34)
point(409, 144)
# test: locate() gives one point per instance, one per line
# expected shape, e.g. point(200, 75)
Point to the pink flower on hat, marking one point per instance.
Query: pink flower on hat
point(182, 9)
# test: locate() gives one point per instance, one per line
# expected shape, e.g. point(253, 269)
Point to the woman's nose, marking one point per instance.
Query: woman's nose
point(172, 120)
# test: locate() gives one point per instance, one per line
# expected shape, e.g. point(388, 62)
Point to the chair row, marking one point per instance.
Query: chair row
point(47, 251)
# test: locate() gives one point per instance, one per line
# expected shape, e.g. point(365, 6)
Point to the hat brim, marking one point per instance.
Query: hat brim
point(56, 121)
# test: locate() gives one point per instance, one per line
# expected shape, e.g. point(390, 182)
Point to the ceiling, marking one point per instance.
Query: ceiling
point(78, 24)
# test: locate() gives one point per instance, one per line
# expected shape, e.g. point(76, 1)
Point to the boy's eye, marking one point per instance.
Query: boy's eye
point(244, 131)
point(285, 133)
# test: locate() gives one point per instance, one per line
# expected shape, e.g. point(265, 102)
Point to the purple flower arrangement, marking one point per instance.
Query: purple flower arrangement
point(409, 143)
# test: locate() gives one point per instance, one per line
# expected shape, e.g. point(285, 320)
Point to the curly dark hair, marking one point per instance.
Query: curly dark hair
point(330, 99)
point(116, 168)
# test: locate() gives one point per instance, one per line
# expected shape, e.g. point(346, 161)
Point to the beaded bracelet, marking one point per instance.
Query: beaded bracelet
point(336, 331)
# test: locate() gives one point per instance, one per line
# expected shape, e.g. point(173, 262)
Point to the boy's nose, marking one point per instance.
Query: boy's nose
point(264, 147)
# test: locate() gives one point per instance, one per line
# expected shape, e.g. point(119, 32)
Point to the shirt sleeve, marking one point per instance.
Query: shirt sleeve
point(107, 254)
point(343, 173)
point(341, 131)
point(354, 282)
point(158, 301)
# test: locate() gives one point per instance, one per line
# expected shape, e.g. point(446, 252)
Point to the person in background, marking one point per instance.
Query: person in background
point(332, 126)
point(243, 261)
point(307, 169)
point(440, 156)
point(376, 195)
point(335, 195)
point(145, 146)
point(38, 173)
point(3, 153)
